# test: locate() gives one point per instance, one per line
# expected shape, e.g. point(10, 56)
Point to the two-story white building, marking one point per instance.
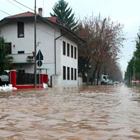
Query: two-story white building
point(58, 44)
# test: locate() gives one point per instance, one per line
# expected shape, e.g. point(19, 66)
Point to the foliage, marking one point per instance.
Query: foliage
point(103, 41)
point(133, 68)
point(5, 60)
point(64, 13)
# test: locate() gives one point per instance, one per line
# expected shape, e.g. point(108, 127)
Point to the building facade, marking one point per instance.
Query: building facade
point(58, 45)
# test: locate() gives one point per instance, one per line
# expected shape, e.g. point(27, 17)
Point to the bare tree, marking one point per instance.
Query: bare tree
point(103, 41)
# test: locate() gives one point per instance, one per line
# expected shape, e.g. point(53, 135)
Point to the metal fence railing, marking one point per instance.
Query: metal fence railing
point(26, 78)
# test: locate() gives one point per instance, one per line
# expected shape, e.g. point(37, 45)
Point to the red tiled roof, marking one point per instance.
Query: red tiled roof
point(27, 14)
point(30, 14)
point(53, 19)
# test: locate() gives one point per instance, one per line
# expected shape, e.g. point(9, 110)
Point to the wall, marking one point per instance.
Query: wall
point(45, 43)
point(68, 62)
point(46, 35)
point(80, 81)
point(26, 44)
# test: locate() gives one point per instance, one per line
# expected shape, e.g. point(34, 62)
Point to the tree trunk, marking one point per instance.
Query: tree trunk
point(94, 73)
point(87, 79)
point(98, 74)
point(88, 71)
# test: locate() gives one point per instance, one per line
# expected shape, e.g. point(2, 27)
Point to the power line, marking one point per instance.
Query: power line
point(37, 19)
point(5, 12)
point(23, 5)
point(32, 25)
point(14, 5)
point(24, 11)
point(27, 24)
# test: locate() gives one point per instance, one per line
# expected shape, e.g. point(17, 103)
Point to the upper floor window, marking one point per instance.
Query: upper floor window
point(20, 26)
point(75, 52)
point(71, 51)
point(68, 49)
point(64, 48)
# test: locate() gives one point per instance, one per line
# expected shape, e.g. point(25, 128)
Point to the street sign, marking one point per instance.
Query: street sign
point(39, 63)
point(39, 55)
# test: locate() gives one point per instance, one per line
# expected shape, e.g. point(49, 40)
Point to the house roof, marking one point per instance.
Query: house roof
point(27, 14)
point(66, 30)
point(54, 21)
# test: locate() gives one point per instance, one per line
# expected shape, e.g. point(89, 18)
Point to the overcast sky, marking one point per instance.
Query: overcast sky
point(124, 11)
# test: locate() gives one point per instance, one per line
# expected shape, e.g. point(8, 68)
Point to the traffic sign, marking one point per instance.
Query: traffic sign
point(39, 55)
point(39, 63)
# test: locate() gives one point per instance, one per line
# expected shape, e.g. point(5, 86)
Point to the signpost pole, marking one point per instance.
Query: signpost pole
point(39, 70)
point(39, 57)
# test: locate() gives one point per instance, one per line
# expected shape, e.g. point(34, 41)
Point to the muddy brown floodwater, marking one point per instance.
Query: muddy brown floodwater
point(85, 113)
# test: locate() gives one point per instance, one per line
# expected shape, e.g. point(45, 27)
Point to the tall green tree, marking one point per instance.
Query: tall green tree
point(64, 13)
point(5, 60)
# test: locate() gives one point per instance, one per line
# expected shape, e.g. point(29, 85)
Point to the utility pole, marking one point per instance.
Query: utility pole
point(35, 77)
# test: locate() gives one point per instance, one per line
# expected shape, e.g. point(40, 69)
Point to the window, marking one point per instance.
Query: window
point(75, 52)
point(20, 26)
point(20, 52)
point(71, 51)
point(71, 73)
point(64, 48)
point(8, 48)
point(75, 74)
point(64, 73)
point(68, 49)
point(21, 71)
point(68, 73)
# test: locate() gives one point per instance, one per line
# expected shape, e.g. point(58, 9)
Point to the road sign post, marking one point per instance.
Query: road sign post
point(39, 57)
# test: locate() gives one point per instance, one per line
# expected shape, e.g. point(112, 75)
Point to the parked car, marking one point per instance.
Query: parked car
point(116, 83)
point(4, 78)
point(104, 79)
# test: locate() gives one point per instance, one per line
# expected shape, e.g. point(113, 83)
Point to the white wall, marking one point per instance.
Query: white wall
point(26, 44)
point(46, 35)
point(9, 32)
point(68, 62)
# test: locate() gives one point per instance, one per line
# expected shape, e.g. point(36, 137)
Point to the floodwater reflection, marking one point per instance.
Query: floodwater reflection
point(85, 113)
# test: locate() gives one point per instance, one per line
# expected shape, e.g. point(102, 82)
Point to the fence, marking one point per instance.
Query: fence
point(26, 80)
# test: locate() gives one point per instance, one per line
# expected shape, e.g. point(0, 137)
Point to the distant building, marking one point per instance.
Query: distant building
point(58, 44)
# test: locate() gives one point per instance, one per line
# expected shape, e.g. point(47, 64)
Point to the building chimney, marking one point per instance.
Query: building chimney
point(40, 11)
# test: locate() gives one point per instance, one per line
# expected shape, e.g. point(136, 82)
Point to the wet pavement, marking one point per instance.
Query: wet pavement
point(86, 113)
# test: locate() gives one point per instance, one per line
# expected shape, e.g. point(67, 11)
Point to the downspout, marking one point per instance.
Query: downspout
point(55, 49)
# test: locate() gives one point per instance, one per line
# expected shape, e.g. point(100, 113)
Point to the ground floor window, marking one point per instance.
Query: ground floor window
point(75, 74)
point(64, 73)
point(69, 73)
point(8, 48)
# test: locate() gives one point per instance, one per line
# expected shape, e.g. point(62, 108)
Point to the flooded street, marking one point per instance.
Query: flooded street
point(87, 113)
